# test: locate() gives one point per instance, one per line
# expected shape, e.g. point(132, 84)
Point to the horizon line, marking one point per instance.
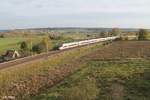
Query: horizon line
point(74, 28)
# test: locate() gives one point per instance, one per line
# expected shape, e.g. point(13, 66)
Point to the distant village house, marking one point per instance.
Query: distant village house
point(129, 36)
point(11, 54)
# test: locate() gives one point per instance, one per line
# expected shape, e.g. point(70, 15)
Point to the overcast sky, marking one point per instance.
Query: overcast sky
point(74, 13)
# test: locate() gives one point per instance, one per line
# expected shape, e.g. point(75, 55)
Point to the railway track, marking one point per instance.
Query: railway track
point(28, 59)
point(35, 58)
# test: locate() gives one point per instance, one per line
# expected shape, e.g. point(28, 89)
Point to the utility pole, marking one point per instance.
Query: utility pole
point(31, 45)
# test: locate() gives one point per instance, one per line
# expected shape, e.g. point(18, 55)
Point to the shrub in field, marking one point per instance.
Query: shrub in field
point(55, 36)
point(25, 53)
point(47, 43)
point(85, 90)
point(143, 34)
point(39, 48)
point(115, 32)
point(44, 46)
point(2, 36)
point(24, 50)
point(23, 45)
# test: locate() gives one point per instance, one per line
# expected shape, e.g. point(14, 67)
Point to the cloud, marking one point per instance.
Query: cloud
point(28, 7)
point(19, 12)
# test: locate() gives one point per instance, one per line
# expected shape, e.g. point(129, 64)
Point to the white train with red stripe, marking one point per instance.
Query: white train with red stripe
point(86, 42)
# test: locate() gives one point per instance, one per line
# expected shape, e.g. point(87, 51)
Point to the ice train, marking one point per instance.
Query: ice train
point(86, 42)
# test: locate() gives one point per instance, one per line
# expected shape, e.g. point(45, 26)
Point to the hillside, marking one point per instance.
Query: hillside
point(74, 29)
point(118, 78)
point(68, 30)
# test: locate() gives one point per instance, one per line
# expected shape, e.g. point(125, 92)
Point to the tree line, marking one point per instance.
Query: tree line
point(142, 34)
point(28, 48)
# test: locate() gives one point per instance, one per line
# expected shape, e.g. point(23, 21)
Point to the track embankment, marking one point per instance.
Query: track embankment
point(27, 59)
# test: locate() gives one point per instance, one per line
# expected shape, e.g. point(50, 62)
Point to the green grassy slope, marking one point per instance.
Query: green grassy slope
point(14, 42)
point(9, 43)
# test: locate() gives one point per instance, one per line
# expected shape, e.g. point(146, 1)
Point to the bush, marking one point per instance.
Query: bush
point(2, 36)
point(24, 45)
point(55, 37)
point(143, 34)
point(115, 32)
point(1, 59)
point(39, 48)
point(24, 53)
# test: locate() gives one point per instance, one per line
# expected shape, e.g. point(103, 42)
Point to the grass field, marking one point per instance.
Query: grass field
point(9, 43)
point(94, 72)
point(115, 81)
point(118, 79)
point(13, 43)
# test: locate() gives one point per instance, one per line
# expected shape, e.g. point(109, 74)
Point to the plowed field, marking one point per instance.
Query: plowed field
point(123, 49)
